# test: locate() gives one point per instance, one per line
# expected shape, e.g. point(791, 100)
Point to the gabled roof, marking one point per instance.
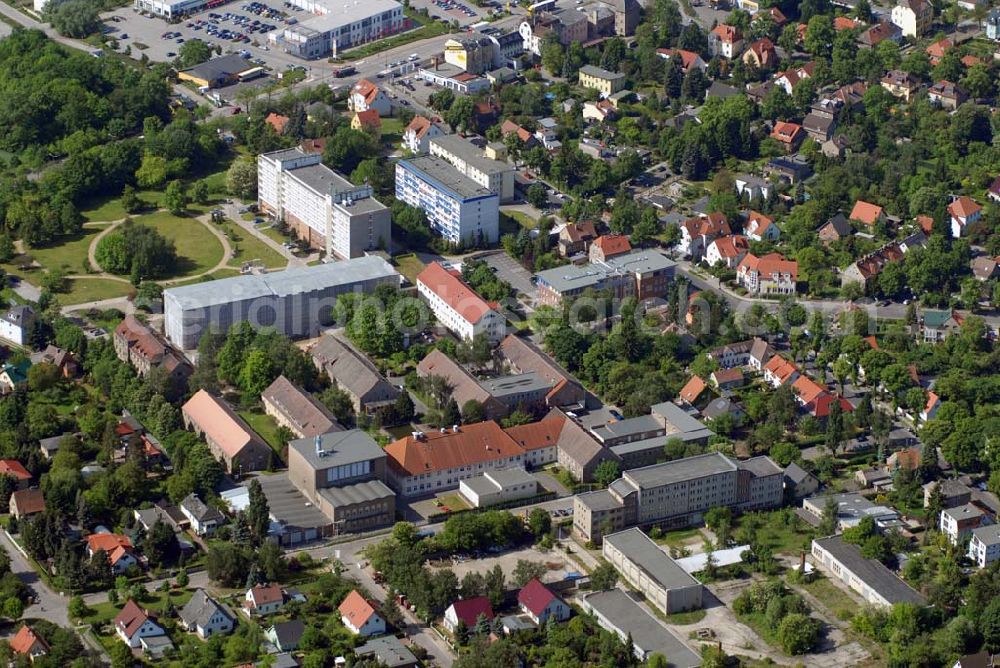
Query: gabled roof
point(688, 58)
point(200, 609)
point(463, 386)
point(455, 292)
point(264, 594)
point(277, 121)
point(945, 89)
point(368, 118)
point(769, 265)
point(356, 609)
point(731, 246)
point(367, 90)
point(939, 48)
point(435, 451)
point(509, 126)
point(420, 125)
point(693, 389)
point(807, 389)
point(541, 434)
point(583, 231)
point(781, 368)
point(844, 23)
point(131, 618)
point(352, 370)
point(727, 33)
point(613, 244)
point(535, 597)
point(866, 213)
point(757, 223)
point(300, 408)
point(200, 510)
point(15, 469)
point(468, 610)
point(107, 542)
point(28, 501)
point(963, 207)
point(26, 639)
point(220, 423)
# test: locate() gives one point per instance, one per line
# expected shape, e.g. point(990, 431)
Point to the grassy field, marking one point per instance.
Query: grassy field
point(102, 613)
point(781, 530)
point(83, 290)
point(523, 219)
point(409, 266)
point(684, 618)
point(198, 250)
point(680, 538)
point(247, 247)
point(392, 131)
point(453, 502)
point(110, 208)
point(266, 427)
point(430, 28)
point(832, 596)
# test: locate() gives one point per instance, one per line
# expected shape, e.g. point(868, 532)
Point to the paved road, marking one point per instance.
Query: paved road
point(49, 604)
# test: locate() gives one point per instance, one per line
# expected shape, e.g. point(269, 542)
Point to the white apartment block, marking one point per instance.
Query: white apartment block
point(458, 307)
point(468, 159)
point(339, 25)
point(984, 545)
point(957, 523)
point(457, 208)
point(323, 208)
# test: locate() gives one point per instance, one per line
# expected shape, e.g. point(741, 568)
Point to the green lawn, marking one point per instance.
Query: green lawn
point(453, 502)
point(110, 208)
point(685, 618)
point(781, 530)
point(678, 539)
point(247, 247)
point(523, 219)
point(409, 266)
point(432, 28)
point(103, 613)
point(70, 254)
point(83, 290)
point(266, 427)
point(832, 596)
point(198, 249)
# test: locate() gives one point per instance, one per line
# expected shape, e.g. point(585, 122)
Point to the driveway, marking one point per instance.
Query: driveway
point(49, 604)
point(511, 271)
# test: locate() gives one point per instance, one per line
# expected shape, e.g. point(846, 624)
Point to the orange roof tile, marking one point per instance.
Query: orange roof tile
point(807, 389)
point(731, 246)
point(107, 541)
point(693, 389)
point(356, 609)
point(613, 244)
point(222, 426)
point(369, 118)
point(277, 121)
point(963, 207)
point(541, 434)
point(757, 223)
point(866, 213)
point(926, 223)
point(456, 293)
point(844, 23)
point(476, 443)
point(786, 133)
point(26, 639)
point(769, 265)
point(726, 33)
point(15, 469)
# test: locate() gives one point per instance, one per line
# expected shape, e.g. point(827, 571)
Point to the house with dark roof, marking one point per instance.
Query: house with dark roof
point(297, 410)
point(204, 518)
point(64, 360)
point(205, 617)
point(285, 636)
point(576, 238)
point(467, 612)
point(389, 651)
point(138, 345)
point(27, 502)
point(354, 373)
point(522, 356)
point(540, 604)
point(835, 229)
point(874, 582)
point(464, 387)
point(799, 483)
point(15, 323)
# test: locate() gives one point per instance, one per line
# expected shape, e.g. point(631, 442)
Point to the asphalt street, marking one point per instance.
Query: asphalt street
point(48, 604)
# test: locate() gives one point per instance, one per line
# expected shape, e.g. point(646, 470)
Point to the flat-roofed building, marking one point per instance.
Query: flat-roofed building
point(297, 410)
point(343, 474)
point(295, 302)
point(984, 545)
point(322, 207)
point(426, 463)
point(458, 307)
point(212, 73)
point(868, 577)
point(457, 208)
point(678, 493)
point(644, 274)
point(469, 159)
point(494, 487)
point(674, 423)
point(646, 567)
point(338, 25)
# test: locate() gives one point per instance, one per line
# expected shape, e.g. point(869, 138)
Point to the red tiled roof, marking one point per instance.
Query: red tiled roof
point(866, 213)
point(535, 597)
point(131, 618)
point(613, 244)
point(781, 368)
point(763, 48)
point(367, 90)
point(509, 126)
point(970, 60)
point(844, 23)
point(939, 48)
point(436, 451)
point(693, 389)
point(28, 501)
point(468, 610)
point(277, 121)
point(726, 33)
point(777, 16)
point(369, 117)
point(786, 133)
point(731, 246)
point(582, 231)
point(139, 336)
point(107, 542)
point(688, 58)
point(712, 225)
point(356, 609)
point(821, 406)
point(963, 207)
point(264, 594)
point(456, 293)
point(926, 223)
point(14, 468)
point(932, 400)
point(219, 422)
point(26, 639)
point(770, 264)
point(724, 376)
point(541, 434)
point(807, 389)
point(757, 223)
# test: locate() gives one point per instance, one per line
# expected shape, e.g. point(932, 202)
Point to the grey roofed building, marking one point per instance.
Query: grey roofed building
point(353, 372)
point(618, 613)
point(389, 651)
point(656, 563)
point(722, 406)
point(285, 636)
point(600, 499)
point(463, 386)
point(870, 573)
point(219, 69)
point(601, 73)
point(642, 426)
point(372, 490)
point(525, 383)
point(200, 510)
point(297, 409)
point(470, 153)
point(678, 470)
point(282, 660)
point(574, 278)
point(578, 451)
point(337, 448)
point(198, 613)
point(851, 508)
point(799, 482)
point(676, 420)
point(719, 89)
point(760, 466)
point(446, 176)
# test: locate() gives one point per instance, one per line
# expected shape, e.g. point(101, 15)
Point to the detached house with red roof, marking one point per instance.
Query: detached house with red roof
point(788, 135)
point(134, 623)
point(367, 121)
point(121, 554)
point(419, 133)
point(689, 59)
point(457, 306)
point(867, 214)
point(790, 78)
point(779, 371)
point(698, 232)
point(725, 40)
point(365, 95)
point(467, 612)
point(728, 251)
point(360, 617)
point(263, 600)
point(277, 121)
point(28, 643)
point(760, 227)
point(608, 246)
point(695, 392)
point(539, 603)
point(771, 274)
point(26, 502)
point(964, 211)
point(16, 470)
point(761, 54)
point(231, 440)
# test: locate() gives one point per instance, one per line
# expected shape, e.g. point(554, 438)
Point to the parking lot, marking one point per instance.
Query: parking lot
point(558, 565)
point(464, 12)
point(232, 27)
point(511, 271)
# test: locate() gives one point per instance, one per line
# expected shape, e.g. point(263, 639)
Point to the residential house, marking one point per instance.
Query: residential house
point(818, 127)
point(791, 169)
point(231, 440)
point(28, 643)
point(939, 325)
point(914, 17)
point(761, 54)
point(834, 230)
point(133, 623)
point(937, 50)
point(204, 616)
point(64, 360)
point(276, 121)
point(779, 371)
point(728, 251)
point(605, 82)
point(770, 274)
point(946, 95)
point(799, 483)
point(761, 228)
point(25, 503)
point(354, 373)
point(458, 307)
point(389, 651)
point(360, 617)
point(16, 322)
point(727, 379)
point(698, 232)
point(285, 636)
point(725, 41)
point(985, 268)
point(599, 111)
point(695, 392)
point(367, 121)
point(869, 266)
point(608, 246)
point(539, 603)
point(16, 470)
point(964, 211)
point(297, 410)
point(527, 138)
point(575, 238)
point(751, 187)
point(366, 95)
point(204, 518)
point(261, 600)
point(867, 214)
point(688, 59)
point(467, 612)
point(953, 493)
point(788, 135)
point(121, 555)
point(420, 131)
point(984, 545)
point(841, 23)
point(136, 344)
point(791, 77)
point(957, 523)
point(50, 446)
point(930, 408)
point(14, 375)
point(900, 84)
point(878, 33)
point(836, 147)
